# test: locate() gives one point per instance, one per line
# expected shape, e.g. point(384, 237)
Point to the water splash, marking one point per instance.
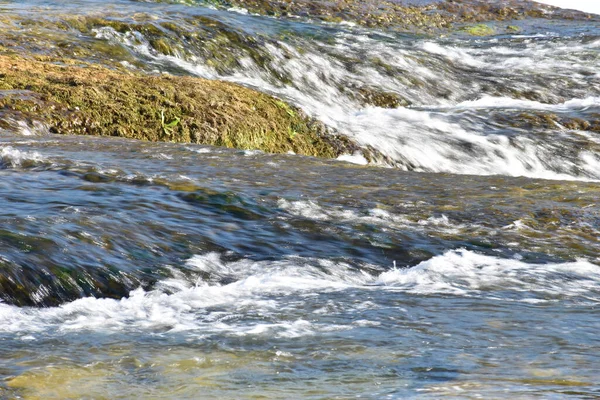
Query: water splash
point(225, 292)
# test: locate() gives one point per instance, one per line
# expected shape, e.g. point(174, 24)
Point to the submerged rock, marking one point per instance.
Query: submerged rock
point(378, 98)
point(93, 100)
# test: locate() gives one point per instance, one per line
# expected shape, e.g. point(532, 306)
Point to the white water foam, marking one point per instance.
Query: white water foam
point(312, 210)
point(465, 272)
point(14, 158)
point(432, 143)
point(276, 290)
point(355, 158)
point(490, 102)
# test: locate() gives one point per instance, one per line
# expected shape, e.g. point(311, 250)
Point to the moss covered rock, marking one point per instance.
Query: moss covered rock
point(93, 100)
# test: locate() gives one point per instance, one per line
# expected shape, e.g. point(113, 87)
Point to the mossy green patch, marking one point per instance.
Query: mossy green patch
point(478, 30)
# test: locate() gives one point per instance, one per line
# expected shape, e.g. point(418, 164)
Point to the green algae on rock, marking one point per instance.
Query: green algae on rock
point(93, 100)
point(478, 30)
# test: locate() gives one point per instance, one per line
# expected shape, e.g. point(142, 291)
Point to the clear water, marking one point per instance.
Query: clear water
point(157, 270)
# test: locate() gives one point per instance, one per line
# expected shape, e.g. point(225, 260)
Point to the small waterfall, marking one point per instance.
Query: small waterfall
point(516, 105)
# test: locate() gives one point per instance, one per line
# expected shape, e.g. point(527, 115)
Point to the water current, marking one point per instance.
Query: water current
point(465, 264)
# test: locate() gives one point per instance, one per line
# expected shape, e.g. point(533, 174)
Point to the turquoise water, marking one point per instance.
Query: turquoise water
point(465, 267)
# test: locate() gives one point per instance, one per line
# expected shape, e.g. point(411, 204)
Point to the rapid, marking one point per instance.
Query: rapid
point(464, 262)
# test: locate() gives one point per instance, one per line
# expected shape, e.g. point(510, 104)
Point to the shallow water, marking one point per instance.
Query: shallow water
point(469, 269)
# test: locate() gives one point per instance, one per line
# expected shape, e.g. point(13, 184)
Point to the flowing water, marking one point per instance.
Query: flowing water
point(466, 266)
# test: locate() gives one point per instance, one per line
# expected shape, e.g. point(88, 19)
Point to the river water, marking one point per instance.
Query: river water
point(466, 265)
